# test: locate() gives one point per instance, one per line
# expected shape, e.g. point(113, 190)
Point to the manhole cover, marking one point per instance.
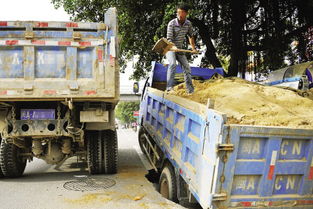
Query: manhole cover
point(85, 183)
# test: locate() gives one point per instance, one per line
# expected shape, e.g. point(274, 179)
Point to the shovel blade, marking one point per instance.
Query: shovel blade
point(162, 46)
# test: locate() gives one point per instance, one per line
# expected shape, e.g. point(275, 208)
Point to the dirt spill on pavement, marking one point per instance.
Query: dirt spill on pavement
point(90, 198)
point(105, 197)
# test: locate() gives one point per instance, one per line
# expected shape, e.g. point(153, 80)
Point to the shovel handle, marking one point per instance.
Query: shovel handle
point(184, 50)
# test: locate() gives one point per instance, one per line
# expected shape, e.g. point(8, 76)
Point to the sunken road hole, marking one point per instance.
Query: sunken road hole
point(153, 176)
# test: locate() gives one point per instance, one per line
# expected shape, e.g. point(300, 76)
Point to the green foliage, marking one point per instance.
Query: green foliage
point(224, 61)
point(124, 111)
point(266, 27)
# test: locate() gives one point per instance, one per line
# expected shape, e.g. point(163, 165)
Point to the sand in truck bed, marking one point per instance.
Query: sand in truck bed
point(250, 103)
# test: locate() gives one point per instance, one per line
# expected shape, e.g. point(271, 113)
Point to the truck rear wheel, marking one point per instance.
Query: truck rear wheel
point(167, 183)
point(102, 152)
point(110, 151)
point(11, 163)
point(94, 152)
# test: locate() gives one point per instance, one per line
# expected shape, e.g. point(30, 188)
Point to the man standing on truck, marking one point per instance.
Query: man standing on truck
point(177, 30)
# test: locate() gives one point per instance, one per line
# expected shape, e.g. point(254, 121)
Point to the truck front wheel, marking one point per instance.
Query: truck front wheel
point(11, 163)
point(167, 183)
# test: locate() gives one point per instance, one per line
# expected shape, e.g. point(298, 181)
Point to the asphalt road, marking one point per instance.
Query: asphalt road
point(45, 187)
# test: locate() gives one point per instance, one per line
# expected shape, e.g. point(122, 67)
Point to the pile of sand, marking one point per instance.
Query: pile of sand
point(250, 103)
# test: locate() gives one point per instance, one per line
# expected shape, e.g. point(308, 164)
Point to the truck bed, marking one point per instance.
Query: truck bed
point(229, 165)
point(57, 60)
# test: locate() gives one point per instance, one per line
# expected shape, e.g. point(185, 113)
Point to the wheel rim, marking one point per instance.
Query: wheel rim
point(164, 190)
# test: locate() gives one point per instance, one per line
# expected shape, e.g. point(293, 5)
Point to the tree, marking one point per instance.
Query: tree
point(141, 24)
point(266, 27)
point(125, 110)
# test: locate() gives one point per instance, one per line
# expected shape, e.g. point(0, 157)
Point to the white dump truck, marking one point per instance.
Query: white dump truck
point(59, 85)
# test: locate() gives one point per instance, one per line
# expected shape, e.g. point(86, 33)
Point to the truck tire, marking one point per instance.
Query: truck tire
point(94, 152)
point(102, 152)
point(11, 164)
point(110, 151)
point(167, 183)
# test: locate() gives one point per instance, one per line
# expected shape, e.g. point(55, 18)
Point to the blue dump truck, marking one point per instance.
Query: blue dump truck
point(201, 158)
point(59, 85)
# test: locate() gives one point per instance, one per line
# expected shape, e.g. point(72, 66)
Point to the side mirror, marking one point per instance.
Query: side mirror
point(136, 87)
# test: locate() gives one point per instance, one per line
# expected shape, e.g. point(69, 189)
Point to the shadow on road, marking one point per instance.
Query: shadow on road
point(45, 177)
point(39, 171)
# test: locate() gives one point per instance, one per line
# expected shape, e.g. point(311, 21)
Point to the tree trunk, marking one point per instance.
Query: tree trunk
point(237, 45)
point(210, 53)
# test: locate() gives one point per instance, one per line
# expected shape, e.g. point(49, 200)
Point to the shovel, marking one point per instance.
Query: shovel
point(162, 46)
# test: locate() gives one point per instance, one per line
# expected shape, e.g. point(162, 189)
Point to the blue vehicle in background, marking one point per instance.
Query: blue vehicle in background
point(201, 158)
point(298, 76)
point(59, 85)
point(158, 77)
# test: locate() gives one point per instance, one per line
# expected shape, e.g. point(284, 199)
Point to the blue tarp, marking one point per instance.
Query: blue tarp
point(159, 72)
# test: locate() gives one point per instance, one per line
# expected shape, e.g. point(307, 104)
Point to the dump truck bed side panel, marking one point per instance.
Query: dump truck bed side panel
point(183, 134)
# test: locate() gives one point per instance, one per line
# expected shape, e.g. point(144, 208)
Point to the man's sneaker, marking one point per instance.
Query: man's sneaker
point(168, 89)
point(190, 92)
